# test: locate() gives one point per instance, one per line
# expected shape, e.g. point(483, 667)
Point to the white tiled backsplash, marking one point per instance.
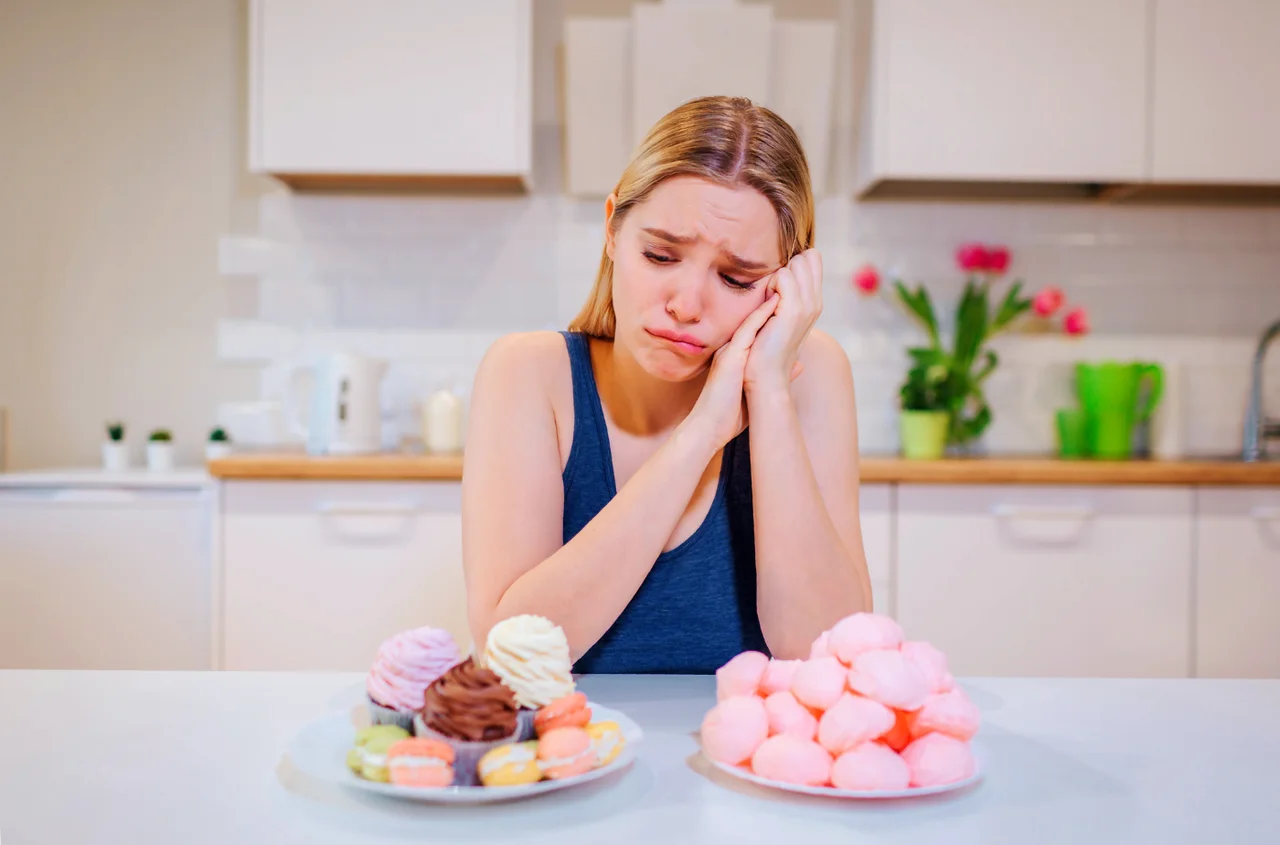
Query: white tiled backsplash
point(429, 283)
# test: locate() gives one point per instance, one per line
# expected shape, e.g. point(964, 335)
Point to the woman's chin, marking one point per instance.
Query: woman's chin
point(665, 365)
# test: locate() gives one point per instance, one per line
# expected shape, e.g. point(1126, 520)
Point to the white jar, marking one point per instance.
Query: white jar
point(159, 455)
point(115, 456)
point(442, 422)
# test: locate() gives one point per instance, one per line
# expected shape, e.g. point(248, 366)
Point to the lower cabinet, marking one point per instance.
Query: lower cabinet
point(316, 574)
point(1238, 583)
point(1048, 581)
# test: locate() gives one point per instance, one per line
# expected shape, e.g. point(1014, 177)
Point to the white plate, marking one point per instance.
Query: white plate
point(832, 792)
point(320, 750)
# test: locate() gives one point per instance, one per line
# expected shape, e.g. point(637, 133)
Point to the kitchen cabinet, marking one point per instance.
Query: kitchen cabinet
point(103, 571)
point(1238, 583)
point(390, 90)
point(1216, 72)
point(1006, 91)
point(315, 575)
point(1048, 581)
point(875, 510)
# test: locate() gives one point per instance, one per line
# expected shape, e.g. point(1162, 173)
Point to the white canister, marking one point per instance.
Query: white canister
point(442, 422)
point(159, 455)
point(115, 456)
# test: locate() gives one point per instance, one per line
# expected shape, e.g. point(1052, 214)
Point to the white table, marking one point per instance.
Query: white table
point(139, 758)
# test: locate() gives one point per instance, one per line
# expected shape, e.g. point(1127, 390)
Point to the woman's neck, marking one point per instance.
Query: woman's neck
point(638, 403)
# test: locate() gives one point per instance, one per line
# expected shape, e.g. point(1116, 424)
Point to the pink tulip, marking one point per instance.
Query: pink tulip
point(1047, 302)
point(867, 279)
point(1076, 322)
point(972, 257)
point(998, 259)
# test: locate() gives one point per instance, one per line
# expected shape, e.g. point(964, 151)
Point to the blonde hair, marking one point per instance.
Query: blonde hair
point(728, 140)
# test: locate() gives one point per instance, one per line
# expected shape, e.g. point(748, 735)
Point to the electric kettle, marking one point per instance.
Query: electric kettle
point(345, 405)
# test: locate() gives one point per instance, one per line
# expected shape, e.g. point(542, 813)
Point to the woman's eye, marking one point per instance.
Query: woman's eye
point(658, 259)
point(737, 283)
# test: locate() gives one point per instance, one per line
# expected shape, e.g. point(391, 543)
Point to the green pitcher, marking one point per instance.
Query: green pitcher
point(1111, 395)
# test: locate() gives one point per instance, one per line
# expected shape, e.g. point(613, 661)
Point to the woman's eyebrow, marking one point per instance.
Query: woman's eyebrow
point(736, 260)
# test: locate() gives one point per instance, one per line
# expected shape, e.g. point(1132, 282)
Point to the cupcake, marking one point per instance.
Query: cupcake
point(405, 666)
point(469, 708)
point(531, 656)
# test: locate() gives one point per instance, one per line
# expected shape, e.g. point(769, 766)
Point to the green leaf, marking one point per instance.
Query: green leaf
point(919, 304)
point(1013, 306)
point(971, 325)
point(989, 362)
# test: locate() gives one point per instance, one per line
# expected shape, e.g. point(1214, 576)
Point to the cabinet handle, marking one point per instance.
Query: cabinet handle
point(366, 509)
point(1265, 514)
point(1076, 512)
point(95, 497)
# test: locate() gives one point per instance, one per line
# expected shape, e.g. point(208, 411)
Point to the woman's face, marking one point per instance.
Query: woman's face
point(689, 264)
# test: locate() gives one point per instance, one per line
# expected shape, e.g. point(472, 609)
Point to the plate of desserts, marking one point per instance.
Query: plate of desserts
point(504, 724)
point(868, 715)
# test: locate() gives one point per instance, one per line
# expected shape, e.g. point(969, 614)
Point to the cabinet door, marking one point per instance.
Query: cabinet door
point(875, 506)
point(391, 86)
point(1048, 581)
point(1238, 583)
point(1216, 91)
point(1006, 89)
point(316, 574)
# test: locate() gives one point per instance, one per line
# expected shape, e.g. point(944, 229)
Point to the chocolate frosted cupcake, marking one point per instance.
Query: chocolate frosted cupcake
point(473, 711)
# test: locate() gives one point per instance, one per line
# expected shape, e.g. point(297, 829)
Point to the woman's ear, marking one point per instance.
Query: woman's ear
point(610, 204)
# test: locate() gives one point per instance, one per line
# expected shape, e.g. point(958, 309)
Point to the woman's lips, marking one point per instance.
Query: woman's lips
point(685, 343)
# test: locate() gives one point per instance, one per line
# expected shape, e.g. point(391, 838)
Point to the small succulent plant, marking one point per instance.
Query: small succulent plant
point(115, 431)
point(160, 435)
point(218, 435)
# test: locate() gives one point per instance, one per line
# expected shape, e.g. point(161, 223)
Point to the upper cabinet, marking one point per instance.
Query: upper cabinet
point(1216, 92)
point(1005, 91)
point(370, 91)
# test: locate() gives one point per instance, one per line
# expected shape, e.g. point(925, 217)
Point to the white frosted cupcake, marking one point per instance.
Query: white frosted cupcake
point(531, 655)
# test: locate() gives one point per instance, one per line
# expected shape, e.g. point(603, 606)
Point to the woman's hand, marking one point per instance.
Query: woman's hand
point(720, 412)
point(773, 361)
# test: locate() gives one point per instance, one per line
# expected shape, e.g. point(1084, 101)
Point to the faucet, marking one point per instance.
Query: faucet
point(1257, 428)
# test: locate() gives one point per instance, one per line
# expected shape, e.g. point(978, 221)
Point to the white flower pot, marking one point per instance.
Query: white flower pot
point(159, 455)
point(215, 449)
point(115, 456)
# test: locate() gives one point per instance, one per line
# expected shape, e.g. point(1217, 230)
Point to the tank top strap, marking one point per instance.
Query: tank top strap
point(590, 434)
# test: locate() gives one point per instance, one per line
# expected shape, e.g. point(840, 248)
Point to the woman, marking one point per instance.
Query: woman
point(612, 482)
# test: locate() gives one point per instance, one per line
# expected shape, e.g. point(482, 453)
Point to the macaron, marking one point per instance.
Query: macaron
point(565, 753)
point(420, 761)
point(365, 735)
point(871, 766)
point(607, 740)
point(790, 759)
point(887, 676)
point(373, 761)
point(570, 711)
point(513, 764)
point(733, 729)
point(741, 675)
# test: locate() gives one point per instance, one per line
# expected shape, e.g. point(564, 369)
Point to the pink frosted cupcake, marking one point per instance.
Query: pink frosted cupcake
point(406, 665)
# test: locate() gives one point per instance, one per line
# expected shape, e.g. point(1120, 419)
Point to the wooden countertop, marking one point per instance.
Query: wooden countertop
point(875, 470)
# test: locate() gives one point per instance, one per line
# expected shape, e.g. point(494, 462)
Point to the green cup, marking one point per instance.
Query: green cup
point(1072, 433)
point(1110, 434)
point(1113, 386)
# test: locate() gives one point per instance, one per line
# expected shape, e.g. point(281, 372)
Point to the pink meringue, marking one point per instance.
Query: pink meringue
point(852, 721)
point(870, 766)
point(950, 713)
point(406, 664)
point(778, 676)
point(888, 677)
point(819, 683)
point(790, 759)
point(936, 759)
point(821, 646)
point(733, 729)
point(789, 716)
point(931, 662)
point(741, 675)
point(899, 736)
point(863, 632)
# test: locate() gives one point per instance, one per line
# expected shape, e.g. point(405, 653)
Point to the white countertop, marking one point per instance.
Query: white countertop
point(91, 757)
point(184, 478)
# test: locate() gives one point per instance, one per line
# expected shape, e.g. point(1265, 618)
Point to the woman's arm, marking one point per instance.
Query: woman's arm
point(514, 557)
point(811, 569)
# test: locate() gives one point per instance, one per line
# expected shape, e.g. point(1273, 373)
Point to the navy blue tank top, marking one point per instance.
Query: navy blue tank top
point(697, 606)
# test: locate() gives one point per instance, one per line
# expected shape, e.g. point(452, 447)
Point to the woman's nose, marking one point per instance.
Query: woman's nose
point(684, 303)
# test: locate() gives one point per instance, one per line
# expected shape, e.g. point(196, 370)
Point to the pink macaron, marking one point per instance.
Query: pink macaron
point(936, 759)
point(565, 753)
point(852, 721)
point(951, 713)
point(790, 759)
point(888, 677)
point(930, 661)
point(863, 632)
point(789, 716)
point(741, 675)
point(733, 729)
point(778, 676)
point(819, 683)
point(871, 766)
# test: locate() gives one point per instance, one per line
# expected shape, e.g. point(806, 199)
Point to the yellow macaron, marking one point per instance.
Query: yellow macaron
point(607, 740)
point(510, 765)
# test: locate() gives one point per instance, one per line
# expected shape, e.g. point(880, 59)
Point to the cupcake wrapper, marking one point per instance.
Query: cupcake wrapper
point(468, 754)
point(386, 716)
point(524, 725)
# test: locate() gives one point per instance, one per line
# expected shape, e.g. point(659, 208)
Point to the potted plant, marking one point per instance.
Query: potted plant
point(115, 452)
point(160, 451)
point(948, 377)
point(219, 445)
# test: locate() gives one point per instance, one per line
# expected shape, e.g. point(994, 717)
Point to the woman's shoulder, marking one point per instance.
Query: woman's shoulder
point(538, 355)
point(824, 359)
